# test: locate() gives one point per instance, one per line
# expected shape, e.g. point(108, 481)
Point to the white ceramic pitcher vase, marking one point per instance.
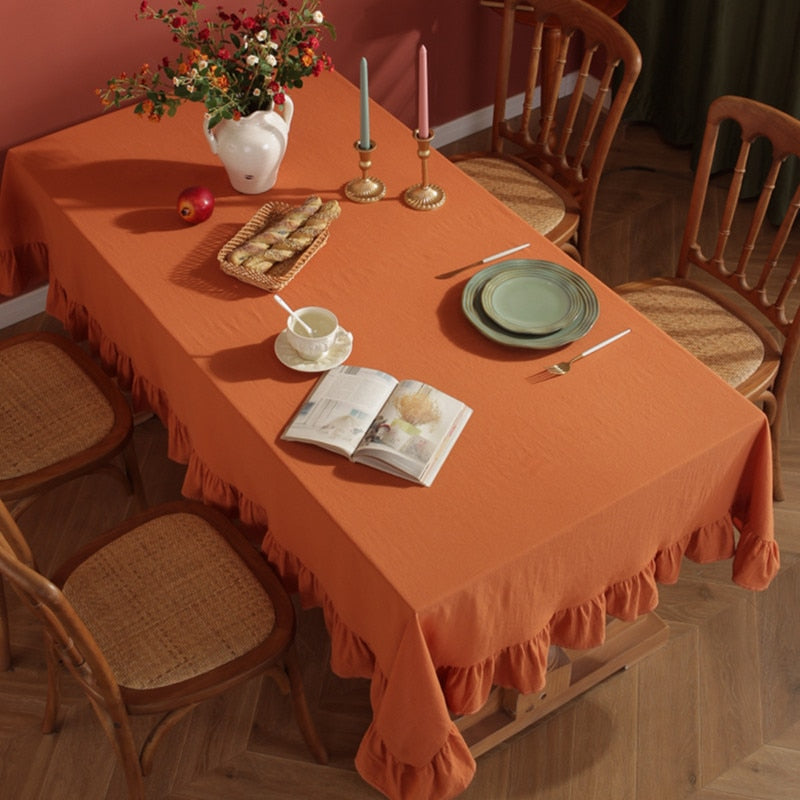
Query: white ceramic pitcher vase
point(251, 148)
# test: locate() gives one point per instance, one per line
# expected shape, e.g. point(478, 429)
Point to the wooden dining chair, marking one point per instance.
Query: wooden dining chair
point(170, 608)
point(61, 417)
point(736, 312)
point(547, 166)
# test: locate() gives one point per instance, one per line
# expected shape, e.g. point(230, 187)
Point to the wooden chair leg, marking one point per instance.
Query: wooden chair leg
point(134, 476)
point(301, 712)
point(166, 724)
point(53, 688)
point(777, 478)
point(128, 755)
point(116, 724)
point(5, 635)
point(769, 405)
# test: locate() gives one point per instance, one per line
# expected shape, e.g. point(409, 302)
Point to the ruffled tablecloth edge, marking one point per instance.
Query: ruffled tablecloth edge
point(522, 666)
point(23, 268)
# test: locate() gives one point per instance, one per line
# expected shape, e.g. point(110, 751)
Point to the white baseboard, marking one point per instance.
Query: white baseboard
point(481, 119)
point(19, 308)
point(474, 122)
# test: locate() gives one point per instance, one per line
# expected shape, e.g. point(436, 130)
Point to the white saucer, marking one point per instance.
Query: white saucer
point(338, 353)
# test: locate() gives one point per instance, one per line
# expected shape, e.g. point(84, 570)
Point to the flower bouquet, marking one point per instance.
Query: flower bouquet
point(235, 63)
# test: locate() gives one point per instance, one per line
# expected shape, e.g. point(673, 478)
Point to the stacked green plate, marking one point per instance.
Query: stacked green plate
point(525, 303)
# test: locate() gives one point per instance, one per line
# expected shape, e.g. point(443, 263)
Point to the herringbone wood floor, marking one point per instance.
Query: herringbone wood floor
point(717, 707)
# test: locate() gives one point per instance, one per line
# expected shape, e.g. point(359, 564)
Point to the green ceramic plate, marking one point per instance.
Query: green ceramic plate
point(525, 300)
point(578, 326)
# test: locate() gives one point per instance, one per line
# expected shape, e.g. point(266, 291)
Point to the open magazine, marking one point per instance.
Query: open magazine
point(406, 428)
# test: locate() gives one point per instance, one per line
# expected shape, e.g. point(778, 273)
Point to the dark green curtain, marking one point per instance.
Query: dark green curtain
point(696, 50)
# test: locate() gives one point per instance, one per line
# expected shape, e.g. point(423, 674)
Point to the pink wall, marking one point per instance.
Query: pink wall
point(55, 53)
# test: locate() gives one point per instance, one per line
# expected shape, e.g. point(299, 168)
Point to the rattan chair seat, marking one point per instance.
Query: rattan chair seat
point(217, 609)
point(518, 189)
point(718, 338)
point(40, 428)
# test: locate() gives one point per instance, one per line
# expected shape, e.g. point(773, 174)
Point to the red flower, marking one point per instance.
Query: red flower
point(178, 22)
point(279, 98)
point(203, 35)
point(249, 23)
point(223, 53)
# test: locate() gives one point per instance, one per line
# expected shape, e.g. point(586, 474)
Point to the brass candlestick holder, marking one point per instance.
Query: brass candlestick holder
point(366, 189)
point(424, 196)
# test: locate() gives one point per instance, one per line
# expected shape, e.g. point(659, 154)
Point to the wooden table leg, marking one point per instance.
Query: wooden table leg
point(572, 672)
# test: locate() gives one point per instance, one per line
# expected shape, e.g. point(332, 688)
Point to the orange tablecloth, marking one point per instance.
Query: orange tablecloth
point(562, 501)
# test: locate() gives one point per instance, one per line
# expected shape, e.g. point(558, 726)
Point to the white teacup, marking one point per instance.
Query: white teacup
point(324, 327)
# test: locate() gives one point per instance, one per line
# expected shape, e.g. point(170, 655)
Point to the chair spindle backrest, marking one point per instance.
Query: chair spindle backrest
point(751, 281)
point(571, 144)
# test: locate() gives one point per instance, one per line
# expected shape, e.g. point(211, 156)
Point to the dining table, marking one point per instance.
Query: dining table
point(563, 504)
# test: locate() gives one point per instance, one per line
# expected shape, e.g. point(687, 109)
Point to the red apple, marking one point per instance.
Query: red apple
point(195, 204)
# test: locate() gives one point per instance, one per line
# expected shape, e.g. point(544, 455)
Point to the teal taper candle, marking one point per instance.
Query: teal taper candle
point(364, 138)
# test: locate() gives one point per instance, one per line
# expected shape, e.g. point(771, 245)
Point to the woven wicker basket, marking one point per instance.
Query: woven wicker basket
point(275, 278)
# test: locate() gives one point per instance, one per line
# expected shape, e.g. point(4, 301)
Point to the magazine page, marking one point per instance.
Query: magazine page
point(340, 409)
point(414, 432)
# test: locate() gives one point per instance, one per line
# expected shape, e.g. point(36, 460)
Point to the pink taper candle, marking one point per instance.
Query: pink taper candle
point(422, 94)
